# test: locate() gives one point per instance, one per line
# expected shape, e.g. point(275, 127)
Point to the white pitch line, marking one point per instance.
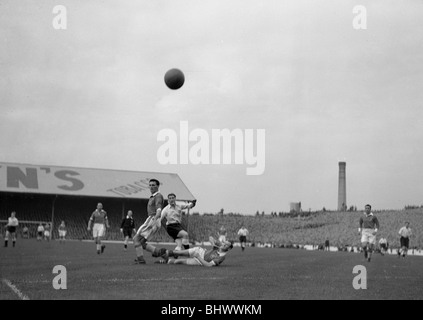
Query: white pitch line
point(150, 279)
point(113, 280)
point(15, 289)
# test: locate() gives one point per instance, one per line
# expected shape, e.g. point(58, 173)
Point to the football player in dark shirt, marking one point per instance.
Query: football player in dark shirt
point(127, 227)
point(368, 227)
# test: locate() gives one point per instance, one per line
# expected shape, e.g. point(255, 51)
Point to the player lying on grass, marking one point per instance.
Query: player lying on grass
point(198, 256)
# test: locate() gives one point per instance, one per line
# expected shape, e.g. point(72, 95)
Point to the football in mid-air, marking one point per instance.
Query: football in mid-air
point(174, 79)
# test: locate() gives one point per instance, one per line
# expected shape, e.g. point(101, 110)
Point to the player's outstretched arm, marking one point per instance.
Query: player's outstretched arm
point(159, 213)
point(377, 226)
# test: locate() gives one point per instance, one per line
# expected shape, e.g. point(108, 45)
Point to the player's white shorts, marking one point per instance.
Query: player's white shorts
point(149, 227)
point(47, 234)
point(62, 233)
point(98, 230)
point(196, 250)
point(368, 235)
point(193, 262)
point(193, 252)
point(222, 238)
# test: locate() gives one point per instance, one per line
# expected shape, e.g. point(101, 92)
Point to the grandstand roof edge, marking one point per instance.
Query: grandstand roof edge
point(90, 182)
point(85, 168)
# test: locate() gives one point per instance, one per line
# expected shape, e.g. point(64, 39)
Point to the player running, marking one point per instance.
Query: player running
point(243, 233)
point(47, 232)
point(199, 256)
point(151, 225)
point(11, 226)
point(25, 232)
point(62, 232)
point(222, 234)
point(383, 245)
point(369, 226)
point(405, 233)
point(40, 232)
point(100, 221)
point(173, 214)
point(127, 227)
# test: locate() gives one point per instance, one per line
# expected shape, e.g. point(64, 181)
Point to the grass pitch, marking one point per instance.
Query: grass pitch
point(26, 271)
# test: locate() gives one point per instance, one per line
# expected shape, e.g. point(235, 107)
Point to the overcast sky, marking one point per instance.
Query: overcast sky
point(93, 95)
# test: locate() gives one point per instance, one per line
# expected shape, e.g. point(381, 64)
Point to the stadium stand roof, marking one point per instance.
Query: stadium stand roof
point(40, 179)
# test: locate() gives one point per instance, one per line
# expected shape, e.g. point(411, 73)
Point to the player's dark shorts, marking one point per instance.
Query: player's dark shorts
point(383, 246)
point(173, 230)
point(127, 232)
point(404, 242)
point(242, 239)
point(40, 233)
point(11, 229)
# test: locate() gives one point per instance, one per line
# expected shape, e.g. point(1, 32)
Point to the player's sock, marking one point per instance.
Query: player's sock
point(140, 253)
point(103, 246)
point(155, 253)
point(150, 248)
point(125, 246)
point(178, 244)
point(185, 243)
point(5, 243)
point(170, 253)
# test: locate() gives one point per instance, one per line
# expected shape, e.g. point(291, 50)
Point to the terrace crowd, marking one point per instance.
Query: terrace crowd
point(310, 228)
